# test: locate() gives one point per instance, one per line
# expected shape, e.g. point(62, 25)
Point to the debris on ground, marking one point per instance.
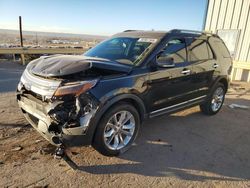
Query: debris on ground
point(37, 141)
point(238, 106)
point(237, 87)
point(74, 153)
point(61, 165)
point(15, 164)
point(34, 158)
point(17, 148)
point(49, 149)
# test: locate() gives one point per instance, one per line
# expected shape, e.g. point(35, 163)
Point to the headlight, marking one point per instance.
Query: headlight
point(75, 88)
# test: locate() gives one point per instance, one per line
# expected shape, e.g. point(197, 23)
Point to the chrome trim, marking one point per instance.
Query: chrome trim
point(39, 85)
point(182, 103)
point(186, 71)
point(215, 66)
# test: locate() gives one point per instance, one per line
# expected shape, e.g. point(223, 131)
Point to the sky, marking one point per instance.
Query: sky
point(102, 17)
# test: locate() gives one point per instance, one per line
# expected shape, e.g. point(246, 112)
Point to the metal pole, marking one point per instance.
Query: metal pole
point(21, 38)
point(20, 29)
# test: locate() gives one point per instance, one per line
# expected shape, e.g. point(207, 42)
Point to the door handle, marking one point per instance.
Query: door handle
point(186, 71)
point(215, 65)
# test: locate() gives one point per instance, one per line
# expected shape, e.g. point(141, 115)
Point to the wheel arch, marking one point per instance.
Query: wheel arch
point(224, 81)
point(221, 80)
point(128, 98)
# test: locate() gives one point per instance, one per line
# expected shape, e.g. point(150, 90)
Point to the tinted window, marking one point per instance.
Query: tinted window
point(222, 48)
point(219, 47)
point(199, 50)
point(175, 49)
point(210, 53)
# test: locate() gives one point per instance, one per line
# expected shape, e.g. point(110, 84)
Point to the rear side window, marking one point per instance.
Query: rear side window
point(199, 50)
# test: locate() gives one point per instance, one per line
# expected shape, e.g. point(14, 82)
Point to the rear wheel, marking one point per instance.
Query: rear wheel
point(117, 130)
point(215, 100)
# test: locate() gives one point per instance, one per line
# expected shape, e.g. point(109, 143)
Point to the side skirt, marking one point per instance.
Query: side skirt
point(178, 107)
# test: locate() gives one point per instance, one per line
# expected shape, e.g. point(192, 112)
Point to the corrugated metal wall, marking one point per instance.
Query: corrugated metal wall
point(232, 14)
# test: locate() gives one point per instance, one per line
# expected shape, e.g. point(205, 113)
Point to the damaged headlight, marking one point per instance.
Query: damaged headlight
point(75, 88)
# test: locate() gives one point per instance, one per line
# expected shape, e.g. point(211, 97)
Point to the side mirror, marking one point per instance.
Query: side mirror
point(165, 62)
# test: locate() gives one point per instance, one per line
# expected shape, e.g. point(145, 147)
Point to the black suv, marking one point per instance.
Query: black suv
point(101, 97)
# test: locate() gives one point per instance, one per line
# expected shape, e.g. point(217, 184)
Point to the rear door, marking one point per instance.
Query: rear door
point(203, 63)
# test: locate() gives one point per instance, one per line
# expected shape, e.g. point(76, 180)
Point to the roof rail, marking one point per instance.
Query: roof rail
point(189, 31)
point(130, 30)
point(185, 31)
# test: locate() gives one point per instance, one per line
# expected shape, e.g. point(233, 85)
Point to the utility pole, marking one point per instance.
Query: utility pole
point(21, 39)
point(20, 29)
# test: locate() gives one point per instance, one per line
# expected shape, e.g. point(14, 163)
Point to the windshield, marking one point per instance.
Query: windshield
point(122, 49)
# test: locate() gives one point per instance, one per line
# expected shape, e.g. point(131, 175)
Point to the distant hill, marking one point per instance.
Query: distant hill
point(50, 34)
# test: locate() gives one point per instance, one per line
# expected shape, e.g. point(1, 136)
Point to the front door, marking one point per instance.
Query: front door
point(169, 88)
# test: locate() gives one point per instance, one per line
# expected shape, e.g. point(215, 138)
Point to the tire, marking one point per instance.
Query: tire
point(210, 107)
point(112, 126)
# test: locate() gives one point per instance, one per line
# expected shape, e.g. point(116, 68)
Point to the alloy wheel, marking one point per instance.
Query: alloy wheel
point(119, 130)
point(217, 99)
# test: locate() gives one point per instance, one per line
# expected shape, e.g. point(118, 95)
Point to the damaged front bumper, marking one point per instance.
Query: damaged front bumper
point(42, 116)
point(63, 120)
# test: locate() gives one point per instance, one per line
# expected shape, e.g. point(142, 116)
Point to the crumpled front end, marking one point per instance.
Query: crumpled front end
point(56, 118)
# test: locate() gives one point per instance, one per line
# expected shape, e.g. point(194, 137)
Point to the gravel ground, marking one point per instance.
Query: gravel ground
point(185, 149)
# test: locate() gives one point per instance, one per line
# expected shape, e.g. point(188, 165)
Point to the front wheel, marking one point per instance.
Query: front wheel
point(214, 101)
point(117, 130)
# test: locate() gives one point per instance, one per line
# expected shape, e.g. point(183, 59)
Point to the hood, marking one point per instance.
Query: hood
point(61, 65)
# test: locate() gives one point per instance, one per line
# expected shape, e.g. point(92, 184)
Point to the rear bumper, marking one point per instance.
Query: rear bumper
point(36, 115)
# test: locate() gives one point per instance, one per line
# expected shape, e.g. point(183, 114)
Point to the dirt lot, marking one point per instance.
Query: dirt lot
point(186, 149)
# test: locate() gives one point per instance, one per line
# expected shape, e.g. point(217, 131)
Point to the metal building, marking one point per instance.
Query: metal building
point(230, 19)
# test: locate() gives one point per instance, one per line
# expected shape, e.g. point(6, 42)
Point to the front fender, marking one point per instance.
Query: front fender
point(108, 103)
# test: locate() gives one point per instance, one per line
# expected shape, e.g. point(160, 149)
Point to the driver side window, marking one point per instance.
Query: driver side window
point(176, 50)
